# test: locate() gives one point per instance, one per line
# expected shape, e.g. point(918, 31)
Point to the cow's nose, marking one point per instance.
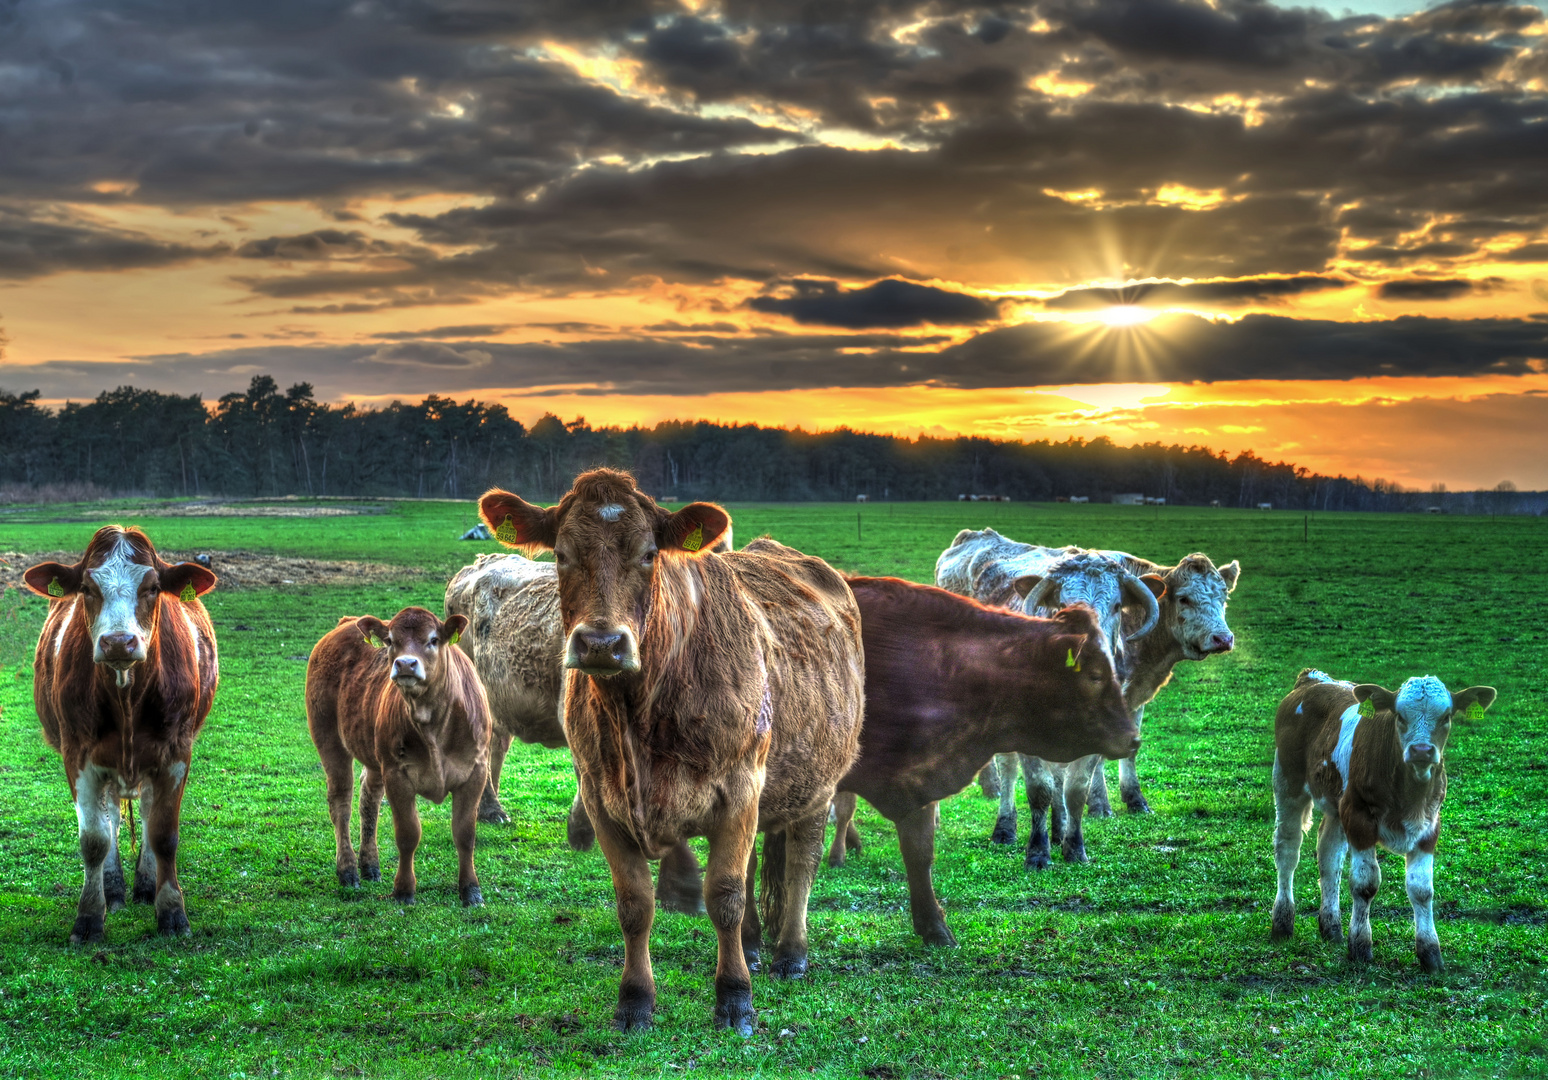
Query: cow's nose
point(119, 646)
point(1222, 642)
point(599, 642)
point(403, 665)
point(1421, 752)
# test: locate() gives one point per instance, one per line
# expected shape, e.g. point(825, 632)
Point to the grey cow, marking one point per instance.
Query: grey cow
point(995, 570)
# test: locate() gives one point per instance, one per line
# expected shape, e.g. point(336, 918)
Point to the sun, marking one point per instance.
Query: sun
point(1126, 315)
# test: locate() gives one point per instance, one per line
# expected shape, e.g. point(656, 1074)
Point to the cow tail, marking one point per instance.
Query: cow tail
point(771, 884)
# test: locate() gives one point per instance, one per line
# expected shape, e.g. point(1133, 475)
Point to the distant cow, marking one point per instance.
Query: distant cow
point(1372, 762)
point(125, 675)
point(949, 682)
point(405, 702)
point(516, 641)
point(709, 695)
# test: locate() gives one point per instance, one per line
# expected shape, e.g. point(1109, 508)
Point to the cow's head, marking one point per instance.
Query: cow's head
point(606, 536)
point(1195, 602)
point(1422, 711)
point(416, 642)
point(1087, 713)
point(121, 579)
point(1125, 605)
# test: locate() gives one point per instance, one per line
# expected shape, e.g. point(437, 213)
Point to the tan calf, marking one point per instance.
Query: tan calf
point(403, 700)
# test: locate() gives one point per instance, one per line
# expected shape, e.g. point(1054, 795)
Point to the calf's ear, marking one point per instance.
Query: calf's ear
point(1229, 573)
point(1155, 583)
point(186, 580)
point(53, 580)
point(452, 628)
point(1472, 702)
point(694, 528)
point(1382, 700)
point(372, 629)
point(517, 523)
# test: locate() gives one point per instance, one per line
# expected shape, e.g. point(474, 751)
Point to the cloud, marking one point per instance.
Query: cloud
point(1433, 288)
point(428, 354)
point(886, 304)
point(32, 247)
point(467, 330)
point(320, 244)
point(1241, 291)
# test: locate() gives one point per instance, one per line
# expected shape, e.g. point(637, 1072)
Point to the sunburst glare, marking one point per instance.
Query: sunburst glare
point(1126, 315)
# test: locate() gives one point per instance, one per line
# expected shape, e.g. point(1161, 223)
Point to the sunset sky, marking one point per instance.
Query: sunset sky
point(1319, 232)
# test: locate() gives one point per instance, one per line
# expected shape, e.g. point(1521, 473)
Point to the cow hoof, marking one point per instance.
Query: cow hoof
point(144, 891)
point(370, 872)
point(579, 834)
point(350, 879)
point(835, 859)
point(115, 903)
point(1360, 952)
point(1283, 927)
point(472, 896)
point(939, 937)
point(634, 1009)
point(1074, 853)
point(87, 930)
point(751, 956)
point(1099, 809)
point(1430, 959)
point(173, 922)
point(1136, 804)
point(403, 898)
point(1038, 860)
point(788, 967)
point(1004, 831)
point(1329, 926)
point(734, 1010)
point(113, 891)
point(493, 816)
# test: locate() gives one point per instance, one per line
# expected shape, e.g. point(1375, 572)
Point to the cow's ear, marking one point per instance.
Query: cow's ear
point(53, 580)
point(517, 523)
point(372, 629)
point(1072, 650)
point(694, 528)
point(1472, 702)
point(186, 580)
point(1157, 584)
point(1381, 700)
point(452, 629)
point(1229, 573)
point(1025, 584)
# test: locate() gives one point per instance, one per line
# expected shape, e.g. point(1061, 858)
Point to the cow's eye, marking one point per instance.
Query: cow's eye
point(560, 560)
point(1185, 600)
point(434, 639)
point(648, 558)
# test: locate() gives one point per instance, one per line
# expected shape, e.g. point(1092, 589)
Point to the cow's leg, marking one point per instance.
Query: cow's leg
point(679, 881)
point(96, 841)
point(1005, 766)
point(113, 867)
point(372, 790)
point(406, 832)
point(144, 891)
point(341, 792)
point(726, 896)
point(636, 910)
point(161, 827)
point(803, 848)
point(1128, 776)
point(466, 801)
point(1421, 894)
point(989, 780)
point(489, 809)
point(1292, 817)
point(578, 829)
point(1040, 800)
point(752, 926)
point(1058, 814)
point(1364, 880)
point(843, 827)
point(1097, 803)
point(1332, 844)
point(916, 838)
point(1077, 782)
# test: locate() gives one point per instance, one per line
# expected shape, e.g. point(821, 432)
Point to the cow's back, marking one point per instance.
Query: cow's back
point(515, 639)
point(346, 682)
point(1307, 726)
point(984, 565)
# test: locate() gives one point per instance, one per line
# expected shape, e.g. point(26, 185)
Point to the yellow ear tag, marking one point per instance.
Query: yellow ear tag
point(694, 540)
point(1069, 659)
point(456, 637)
point(188, 593)
point(55, 589)
point(374, 641)
point(506, 532)
point(1366, 708)
point(1474, 711)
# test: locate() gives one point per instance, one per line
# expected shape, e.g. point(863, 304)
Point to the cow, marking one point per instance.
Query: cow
point(709, 694)
point(125, 674)
point(950, 682)
point(1372, 761)
point(403, 700)
point(994, 570)
point(516, 641)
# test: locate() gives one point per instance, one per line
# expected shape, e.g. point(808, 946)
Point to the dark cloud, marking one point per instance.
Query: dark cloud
point(33, 247)
point(320, 244)
point(1241, 291)
point(674, 327)
point(886, 304)
point(469, 330)
point(1433, 288)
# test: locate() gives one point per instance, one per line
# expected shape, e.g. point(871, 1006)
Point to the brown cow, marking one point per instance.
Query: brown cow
point(709, 695)
point(125, 676)
point(412, 711)
point(950, 682)
point(1371, 761)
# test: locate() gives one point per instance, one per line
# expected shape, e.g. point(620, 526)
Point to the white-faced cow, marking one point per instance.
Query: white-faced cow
point(1373, 762)
point(1039, 581)
point(125, 676)
point(709, 695)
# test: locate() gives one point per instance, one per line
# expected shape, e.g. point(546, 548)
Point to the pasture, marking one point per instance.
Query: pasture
point(1151, 961)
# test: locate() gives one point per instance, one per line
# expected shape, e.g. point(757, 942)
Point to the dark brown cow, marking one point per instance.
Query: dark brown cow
point(412, 712)
point(949, 683)
point(126, 673)
point(1371, 761)
point(709, 695)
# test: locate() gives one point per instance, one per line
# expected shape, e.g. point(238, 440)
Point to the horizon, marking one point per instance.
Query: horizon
point(1318, 233)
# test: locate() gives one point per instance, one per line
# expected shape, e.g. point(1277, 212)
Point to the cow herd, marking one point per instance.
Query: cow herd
point(706, 691)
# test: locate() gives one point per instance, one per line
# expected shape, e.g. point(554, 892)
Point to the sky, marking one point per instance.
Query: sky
point(1316, 232)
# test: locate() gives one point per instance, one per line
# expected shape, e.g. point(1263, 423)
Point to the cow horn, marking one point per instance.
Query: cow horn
point(1137, 589)
point(1040, 596)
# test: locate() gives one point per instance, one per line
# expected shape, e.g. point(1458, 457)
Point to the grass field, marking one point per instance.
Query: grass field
point(1153, 960)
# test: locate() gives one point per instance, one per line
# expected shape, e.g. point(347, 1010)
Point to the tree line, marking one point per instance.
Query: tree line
point(268, 442)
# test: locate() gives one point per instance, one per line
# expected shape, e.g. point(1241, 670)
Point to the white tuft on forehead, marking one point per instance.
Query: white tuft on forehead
point(610, 512)
point(1423, 698)
point(118, 578)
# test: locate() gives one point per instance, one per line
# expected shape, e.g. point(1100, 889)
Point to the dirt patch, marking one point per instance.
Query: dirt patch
point(240, 569)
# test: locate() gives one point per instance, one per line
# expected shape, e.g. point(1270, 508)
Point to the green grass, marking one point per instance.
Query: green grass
point(1153, 960)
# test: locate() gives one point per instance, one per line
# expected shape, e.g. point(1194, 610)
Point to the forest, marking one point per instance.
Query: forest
point(268, 442)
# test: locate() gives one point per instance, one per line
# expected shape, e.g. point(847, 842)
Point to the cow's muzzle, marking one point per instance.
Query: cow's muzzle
point(602, 651)
point(120, 650)
point(1422, 758)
